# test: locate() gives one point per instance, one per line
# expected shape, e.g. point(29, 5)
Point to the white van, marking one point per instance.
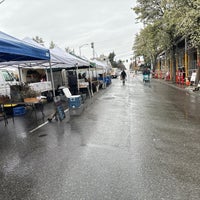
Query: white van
point(6, 79)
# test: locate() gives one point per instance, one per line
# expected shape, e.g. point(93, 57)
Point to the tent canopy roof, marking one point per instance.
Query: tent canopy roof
point(60, 58)
point(13, 49)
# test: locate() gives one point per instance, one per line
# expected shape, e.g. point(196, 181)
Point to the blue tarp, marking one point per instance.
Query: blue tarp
point(13, 49)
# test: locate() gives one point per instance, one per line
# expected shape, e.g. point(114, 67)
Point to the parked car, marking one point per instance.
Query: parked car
point(115, 72)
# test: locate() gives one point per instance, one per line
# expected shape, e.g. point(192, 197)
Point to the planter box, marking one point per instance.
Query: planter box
point(31, 100)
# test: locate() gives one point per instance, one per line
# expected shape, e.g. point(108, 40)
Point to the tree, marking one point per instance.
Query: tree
point(119, 64)
point(149, 11)
point(157, 14)
point(111, 59)
point(189, 20)
point(146, 44)
point(52, 45)
point(174, 19)
point(39, 40)
point(69, 50)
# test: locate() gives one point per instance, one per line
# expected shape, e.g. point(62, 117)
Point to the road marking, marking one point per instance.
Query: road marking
point(40, 126)
point(33, 130)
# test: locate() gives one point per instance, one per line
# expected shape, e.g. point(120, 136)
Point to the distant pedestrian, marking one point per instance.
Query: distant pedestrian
point(123, 77)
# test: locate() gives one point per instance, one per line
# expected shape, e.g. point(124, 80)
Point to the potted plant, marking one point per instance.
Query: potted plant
point(28, 94)
point(23, 92)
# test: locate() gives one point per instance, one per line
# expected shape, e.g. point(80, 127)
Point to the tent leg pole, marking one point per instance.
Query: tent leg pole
point(52, 82)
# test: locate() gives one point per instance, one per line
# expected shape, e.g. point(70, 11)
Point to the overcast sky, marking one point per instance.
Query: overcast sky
point(110, 24)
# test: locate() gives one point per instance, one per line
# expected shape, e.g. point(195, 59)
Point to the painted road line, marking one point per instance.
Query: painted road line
point(40, 126)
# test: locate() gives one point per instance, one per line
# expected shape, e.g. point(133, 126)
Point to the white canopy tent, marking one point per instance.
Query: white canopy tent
point(101, 64)
point(60, 58)
point(67, 57)
point(56, 57)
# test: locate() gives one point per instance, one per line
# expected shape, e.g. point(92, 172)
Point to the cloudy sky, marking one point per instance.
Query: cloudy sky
point(110, 24)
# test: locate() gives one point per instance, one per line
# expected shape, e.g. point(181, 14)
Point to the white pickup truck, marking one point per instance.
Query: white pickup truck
point(7, 79)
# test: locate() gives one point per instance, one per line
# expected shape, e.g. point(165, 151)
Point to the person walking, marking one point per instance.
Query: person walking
point(123, 76)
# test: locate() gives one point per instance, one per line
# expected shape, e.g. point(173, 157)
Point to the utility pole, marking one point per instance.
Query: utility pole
point(92, 46)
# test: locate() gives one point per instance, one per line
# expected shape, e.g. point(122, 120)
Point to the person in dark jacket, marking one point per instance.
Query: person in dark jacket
point(146, 72)
point(123, 76)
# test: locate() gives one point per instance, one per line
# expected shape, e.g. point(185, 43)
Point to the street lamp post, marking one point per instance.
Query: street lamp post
point(81, 47)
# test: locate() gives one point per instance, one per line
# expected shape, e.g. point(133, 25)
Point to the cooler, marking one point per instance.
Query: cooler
point(74, 101)
point(20, 110)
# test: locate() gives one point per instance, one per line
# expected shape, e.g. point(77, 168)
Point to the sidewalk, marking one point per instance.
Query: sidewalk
point(34, 118)
point(189, 89)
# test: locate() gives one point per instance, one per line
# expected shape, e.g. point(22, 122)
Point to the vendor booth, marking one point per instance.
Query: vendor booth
point(16, 52)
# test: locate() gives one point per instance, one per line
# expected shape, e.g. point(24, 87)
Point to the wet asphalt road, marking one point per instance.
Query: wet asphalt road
point(134, 142)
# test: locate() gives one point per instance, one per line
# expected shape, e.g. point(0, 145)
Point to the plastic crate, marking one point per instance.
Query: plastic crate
point(74, 101)
point(19, 111)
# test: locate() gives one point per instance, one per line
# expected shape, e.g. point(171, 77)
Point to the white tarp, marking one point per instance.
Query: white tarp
point(60, 57)
point(76, 61)
point(54, 55)
point(101, 64)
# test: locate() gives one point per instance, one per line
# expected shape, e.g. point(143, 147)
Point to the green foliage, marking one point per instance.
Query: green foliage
point(165, 21)
point(52, 45)
point(27, 92)
point(189, 20)
point(111, 59)
point(39, 40)
point(69, 50)
point(158, 31)
point(147, 43)
point(19, 92)
point(119, 64)
point(149, 11)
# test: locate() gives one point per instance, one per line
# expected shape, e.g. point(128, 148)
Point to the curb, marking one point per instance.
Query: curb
point(179, 87)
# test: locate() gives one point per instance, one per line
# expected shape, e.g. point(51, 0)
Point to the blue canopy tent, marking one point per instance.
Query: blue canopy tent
point(15, 52)
point(13, 49)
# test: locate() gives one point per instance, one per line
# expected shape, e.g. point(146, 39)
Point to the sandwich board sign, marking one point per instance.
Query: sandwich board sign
point(59, 108)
